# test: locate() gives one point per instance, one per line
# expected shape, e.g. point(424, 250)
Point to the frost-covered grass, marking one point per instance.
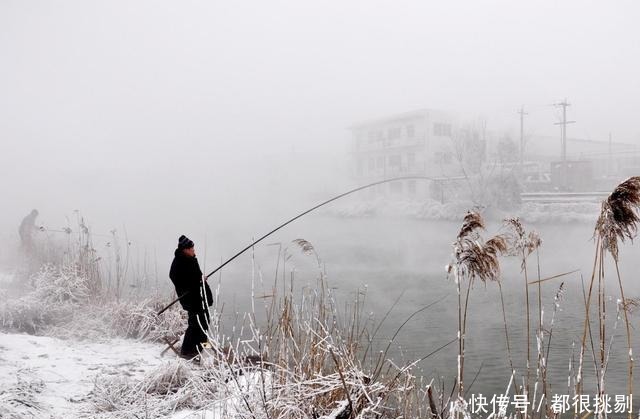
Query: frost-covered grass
point(20, 400)
point(60, 302)
point(54, 294)
point(171, 387)
point(307, 360)
point(123, 319)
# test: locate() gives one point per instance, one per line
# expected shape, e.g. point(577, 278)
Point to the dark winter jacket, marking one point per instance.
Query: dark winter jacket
point(186, 276)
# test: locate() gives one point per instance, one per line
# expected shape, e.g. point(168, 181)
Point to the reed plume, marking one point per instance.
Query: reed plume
point(473, 258)
point(618, 221)
point(471, 223)
point(521, 243)
point(480, 260)
point(619, 217)
point(631, 305)
point(306, 246)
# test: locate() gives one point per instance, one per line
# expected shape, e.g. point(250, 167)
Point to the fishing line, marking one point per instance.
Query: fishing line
point(295, 218)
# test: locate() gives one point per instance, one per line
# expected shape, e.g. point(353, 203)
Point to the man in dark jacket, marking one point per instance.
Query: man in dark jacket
point(195, 296)
point(27, 227)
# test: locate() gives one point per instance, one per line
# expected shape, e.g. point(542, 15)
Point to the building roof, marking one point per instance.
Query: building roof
point(418, 113)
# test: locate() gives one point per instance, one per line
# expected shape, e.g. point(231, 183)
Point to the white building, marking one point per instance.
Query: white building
point(420, 143)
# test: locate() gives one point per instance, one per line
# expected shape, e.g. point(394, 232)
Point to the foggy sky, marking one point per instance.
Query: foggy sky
point(138, 110)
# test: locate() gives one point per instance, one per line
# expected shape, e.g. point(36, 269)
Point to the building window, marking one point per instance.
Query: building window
point(393, 133)
point(443, 157)
point(411, 132)
point(372, 164)
point(442, 130)
point(380, 162)
point(411, 160)
point(395, 161)
point(411, 187)
point(360, 167)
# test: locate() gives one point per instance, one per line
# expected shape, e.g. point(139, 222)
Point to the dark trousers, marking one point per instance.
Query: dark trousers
point(195, 334)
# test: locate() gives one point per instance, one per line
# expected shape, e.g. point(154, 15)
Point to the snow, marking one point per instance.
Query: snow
point(47, 377)
point(5, 277)
point(531, 212)
point(63, 371)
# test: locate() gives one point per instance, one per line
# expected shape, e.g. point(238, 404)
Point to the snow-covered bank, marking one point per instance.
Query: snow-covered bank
point(46, 377)
point(531, 212)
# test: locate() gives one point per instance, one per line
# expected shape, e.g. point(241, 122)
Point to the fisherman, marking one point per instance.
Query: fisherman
point(26, 229)
point(187, 277)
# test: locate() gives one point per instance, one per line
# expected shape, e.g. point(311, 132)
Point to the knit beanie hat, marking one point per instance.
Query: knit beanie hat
point(184, 243)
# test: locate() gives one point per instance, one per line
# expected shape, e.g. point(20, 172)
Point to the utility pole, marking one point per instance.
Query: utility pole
point(563, 140)
point(522, 114)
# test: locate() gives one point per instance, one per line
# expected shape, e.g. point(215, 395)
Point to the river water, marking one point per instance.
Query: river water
point(401, 258)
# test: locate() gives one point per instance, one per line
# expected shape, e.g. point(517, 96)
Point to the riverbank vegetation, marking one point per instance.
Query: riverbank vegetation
point(300, 352)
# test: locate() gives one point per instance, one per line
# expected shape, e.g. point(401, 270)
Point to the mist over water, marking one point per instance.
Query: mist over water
point(394, 258)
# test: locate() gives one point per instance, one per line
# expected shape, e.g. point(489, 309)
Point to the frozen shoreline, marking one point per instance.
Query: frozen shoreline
point(42, 376)
point(573, 212)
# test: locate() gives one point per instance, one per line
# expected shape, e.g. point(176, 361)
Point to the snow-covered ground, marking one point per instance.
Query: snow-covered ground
point(75, 367)
point(47, 377)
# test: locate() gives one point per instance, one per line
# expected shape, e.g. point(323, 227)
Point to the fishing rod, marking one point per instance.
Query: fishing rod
point(295, 218)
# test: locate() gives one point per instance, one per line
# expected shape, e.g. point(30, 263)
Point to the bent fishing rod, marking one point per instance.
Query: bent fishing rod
point(292, 220)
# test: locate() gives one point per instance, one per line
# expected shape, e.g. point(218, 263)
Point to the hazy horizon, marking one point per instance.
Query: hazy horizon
point(146, 113)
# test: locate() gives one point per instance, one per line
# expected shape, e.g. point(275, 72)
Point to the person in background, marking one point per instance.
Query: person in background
point(26, 229)
point(195, 296)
